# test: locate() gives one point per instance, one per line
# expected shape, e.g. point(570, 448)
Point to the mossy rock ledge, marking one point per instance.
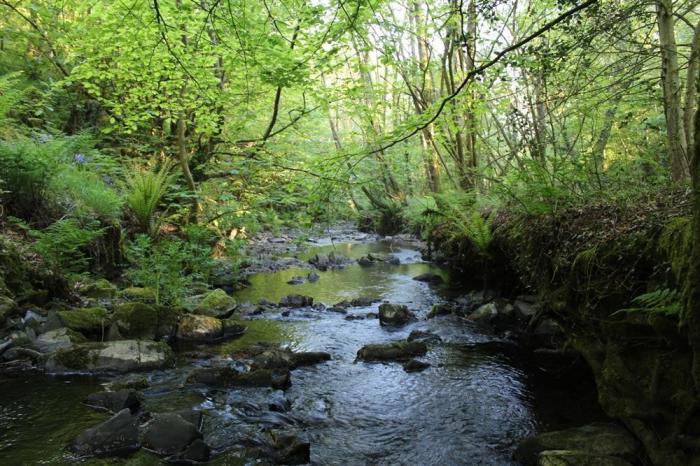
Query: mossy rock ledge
point(597, 260)
point(113, 356)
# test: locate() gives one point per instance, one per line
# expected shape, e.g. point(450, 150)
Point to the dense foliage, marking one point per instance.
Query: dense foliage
point(144, 117)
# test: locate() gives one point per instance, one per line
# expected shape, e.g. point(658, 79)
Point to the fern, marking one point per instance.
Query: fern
point(662, 301)
point(146, 189)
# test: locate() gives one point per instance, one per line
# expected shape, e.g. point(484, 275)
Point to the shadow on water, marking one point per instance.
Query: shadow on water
point(471, 407)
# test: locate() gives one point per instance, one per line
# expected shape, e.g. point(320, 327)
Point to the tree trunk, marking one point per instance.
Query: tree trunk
point(183, 158)
point(670, 81)
point(690, 89)
point(692, 287)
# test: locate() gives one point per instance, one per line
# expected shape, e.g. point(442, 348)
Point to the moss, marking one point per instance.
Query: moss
point(162, 347)
point(80, 357)
point(87, 319)
point(137, 319)
point(216, 303)
point(674, 244)
point(144, 295)
point(99, 289)
point(7, 307)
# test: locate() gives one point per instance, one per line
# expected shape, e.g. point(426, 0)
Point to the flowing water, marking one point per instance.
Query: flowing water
point(477, 400)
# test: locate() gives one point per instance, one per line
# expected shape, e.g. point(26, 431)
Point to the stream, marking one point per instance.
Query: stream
point(479, 398)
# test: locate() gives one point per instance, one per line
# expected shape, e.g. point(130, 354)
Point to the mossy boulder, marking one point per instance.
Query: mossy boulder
point(578, 458)
point(600, 439)
point(87, 320)
point(99, 289)
point(137, 320)
point(113, 356)
point(215, 304)
point(142, 295)
point(194, 327)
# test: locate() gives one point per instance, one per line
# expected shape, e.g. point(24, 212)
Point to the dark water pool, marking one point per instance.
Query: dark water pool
point(471, 407)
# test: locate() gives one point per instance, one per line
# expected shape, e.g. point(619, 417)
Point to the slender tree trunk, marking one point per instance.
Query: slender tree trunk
point(690, 90)
point(670, 81)
point(183, 158)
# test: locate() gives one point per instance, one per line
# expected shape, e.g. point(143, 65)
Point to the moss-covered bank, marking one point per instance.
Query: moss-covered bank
point(586, 264)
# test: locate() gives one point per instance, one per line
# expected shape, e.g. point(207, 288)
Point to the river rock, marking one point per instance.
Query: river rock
point(169, 434)
point(395, 351)
point(599, 439)
point(332, 260)
point(197, 452)
point(198, 328)
point(116, 436)
point(229, 377)
point(525, 310)
point(485, 314)
point(54, 340)
point(295, 281)
point(440, 310)
point(395, 314)
point(282, 449)
point(113, 356)
point(578, 458)
point(278, 402)
point(413, 365)
point(87, 320)
point(296, 301)
point(424, 336)
point(115, 401)
point(429, 277)
point(285, 359)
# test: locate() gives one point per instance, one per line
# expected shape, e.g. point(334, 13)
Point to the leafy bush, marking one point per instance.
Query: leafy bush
point(146, 189)
point(171, 267)
point(32, 172)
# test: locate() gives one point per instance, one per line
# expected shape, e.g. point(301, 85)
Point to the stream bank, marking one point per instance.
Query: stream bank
point(586, 266)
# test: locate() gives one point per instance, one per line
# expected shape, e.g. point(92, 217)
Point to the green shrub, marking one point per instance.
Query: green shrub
point(145, 190)
point(171, 267)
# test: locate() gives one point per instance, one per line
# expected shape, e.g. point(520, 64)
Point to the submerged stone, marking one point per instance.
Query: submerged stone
point(296, 301)
point(170, 434)
point(116, 436)
point(429, 277)
point(115, 401)
point(395, 351)
point(229, 377)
